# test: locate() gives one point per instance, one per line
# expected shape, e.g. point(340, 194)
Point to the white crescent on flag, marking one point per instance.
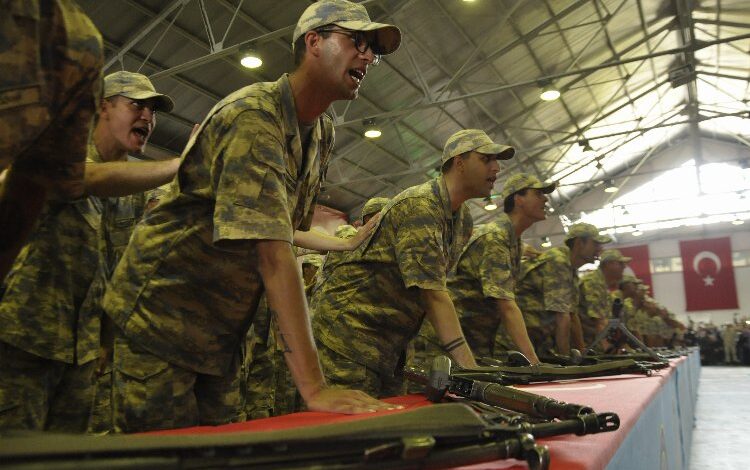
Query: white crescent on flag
point(708, 255)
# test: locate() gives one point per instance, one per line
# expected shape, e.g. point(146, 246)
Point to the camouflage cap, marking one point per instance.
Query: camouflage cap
point(475, 139)
point(347, 15)
point(583, 229)
point(135, 86)
point(373, 206)
point(521, 181)
point(613, 255)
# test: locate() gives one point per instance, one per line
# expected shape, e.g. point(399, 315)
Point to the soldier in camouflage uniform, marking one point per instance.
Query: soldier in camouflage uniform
point(596, 299)
point(629, 293)
point(52, 308)
point(50, 83)
point(547, 292)
point(189, 282)
point(127, 119)
point(374, 302)
point(482, 286)
point(269, 388)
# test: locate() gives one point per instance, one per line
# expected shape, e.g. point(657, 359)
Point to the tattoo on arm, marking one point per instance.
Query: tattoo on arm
point(280, 334)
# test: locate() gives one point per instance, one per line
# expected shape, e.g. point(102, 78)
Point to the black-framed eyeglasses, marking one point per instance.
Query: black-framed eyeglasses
point(362, 42)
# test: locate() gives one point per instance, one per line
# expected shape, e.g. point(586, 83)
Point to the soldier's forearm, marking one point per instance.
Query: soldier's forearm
point(562, 332)
point(513, 322)
point(318, 241)
point(442, 315)
point(576, 331)
point(116, 179)
point(286, 298)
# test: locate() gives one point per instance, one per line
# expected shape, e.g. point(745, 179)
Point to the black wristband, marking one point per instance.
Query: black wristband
point(456, 343)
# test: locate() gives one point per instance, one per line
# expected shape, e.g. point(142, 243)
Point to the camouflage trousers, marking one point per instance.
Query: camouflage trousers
point(268, 384)
point(149, 393)
point(100, 420)
point(42, 394)
point(342, 372)
point(50, 85)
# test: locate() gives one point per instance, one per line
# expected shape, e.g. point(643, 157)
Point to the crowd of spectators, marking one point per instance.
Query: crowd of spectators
point(726, 344)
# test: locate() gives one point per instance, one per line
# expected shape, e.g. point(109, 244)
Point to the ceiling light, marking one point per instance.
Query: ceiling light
point(489, 204)
point(550, 209)
point(549, 94)
point(546, 243)
point(371, 131)
point(738, 221)
point(609, 187)
point(251, 59)
point(636, 232)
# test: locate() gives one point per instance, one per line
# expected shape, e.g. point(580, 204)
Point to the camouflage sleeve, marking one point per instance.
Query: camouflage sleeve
point(419, 244)
point(560, 289)
point(495, 268)
point(249, 178)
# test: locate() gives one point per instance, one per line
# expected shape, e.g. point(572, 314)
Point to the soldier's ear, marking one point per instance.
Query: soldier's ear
point(312, 43)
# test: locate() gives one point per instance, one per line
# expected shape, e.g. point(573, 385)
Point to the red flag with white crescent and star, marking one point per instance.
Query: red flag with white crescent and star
point(708, 274)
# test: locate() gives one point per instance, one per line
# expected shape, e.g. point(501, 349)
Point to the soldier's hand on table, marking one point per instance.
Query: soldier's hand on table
point(364, 232)
point(347, 402)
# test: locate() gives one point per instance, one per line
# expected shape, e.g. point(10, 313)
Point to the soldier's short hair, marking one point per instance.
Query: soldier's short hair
point(449, 164)
point(300, 47)
point(510, 202)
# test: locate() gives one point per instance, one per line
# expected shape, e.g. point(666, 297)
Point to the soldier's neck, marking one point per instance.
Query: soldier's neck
point(456, 190)
point(107, 147)
point(310, 100)
point(520, 222)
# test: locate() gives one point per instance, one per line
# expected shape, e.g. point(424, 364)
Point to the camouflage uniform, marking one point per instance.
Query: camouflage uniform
point(596, 303)
point(372, 206)
point(243, 177)
point(487, 271)
point(50, 84)
point(50, 334)
point(330, 261)
point(547, 284)
point(370, 307)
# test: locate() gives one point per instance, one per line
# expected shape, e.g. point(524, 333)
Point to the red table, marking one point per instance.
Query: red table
point(626, 395)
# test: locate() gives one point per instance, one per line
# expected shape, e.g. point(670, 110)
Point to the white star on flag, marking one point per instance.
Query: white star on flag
point(708, 281)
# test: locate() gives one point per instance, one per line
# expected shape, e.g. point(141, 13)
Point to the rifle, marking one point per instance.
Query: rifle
point(614, 331)
point(440, 379)
point(436, 436)
point(644, 360)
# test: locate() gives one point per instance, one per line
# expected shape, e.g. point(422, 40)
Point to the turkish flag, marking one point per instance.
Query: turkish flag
point(640, 265)
point(708, 274)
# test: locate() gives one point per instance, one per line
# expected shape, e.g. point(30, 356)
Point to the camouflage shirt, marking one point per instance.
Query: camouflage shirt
point(548, 283)
point(487, 271)
point(370, 307)
point(43, 310)
point(188, 284)
point(596, 300)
